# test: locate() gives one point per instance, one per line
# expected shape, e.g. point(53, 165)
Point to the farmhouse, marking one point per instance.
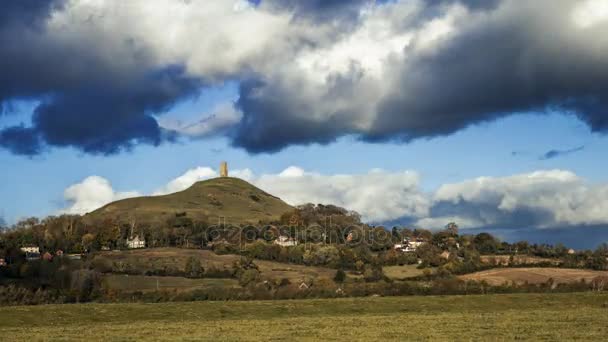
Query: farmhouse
point(408, 245)
point(30, 249)
point(286, 241)
point(136, 242)
point(31, 252)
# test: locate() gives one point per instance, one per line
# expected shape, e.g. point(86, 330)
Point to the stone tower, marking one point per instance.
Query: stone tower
point(224, 169)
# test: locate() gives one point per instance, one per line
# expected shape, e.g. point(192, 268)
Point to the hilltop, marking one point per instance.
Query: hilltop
point(233, 198)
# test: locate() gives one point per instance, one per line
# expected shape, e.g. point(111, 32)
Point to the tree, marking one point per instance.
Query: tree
point(194, 268)
point(452, 228)
point(340, 276)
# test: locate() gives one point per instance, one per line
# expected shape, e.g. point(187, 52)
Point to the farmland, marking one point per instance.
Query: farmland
point(159, 258)
point(489, 317)
point(539, 275)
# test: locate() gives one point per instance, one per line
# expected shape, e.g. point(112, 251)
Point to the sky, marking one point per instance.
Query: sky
point(487, 113)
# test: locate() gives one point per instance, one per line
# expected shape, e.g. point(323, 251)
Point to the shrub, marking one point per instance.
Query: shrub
point(194, 268)
point(340, 276)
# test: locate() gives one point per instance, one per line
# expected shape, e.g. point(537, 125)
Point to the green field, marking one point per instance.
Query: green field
point(402, 272)
point(151, 283)
point(582, 316)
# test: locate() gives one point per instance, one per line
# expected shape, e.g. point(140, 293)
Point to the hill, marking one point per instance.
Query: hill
point(232, 198)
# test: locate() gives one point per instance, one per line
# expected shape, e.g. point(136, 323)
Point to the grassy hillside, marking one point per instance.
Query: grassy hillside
point(232, 198)
point(574, 316)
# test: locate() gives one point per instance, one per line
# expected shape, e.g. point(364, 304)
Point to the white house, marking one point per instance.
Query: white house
point(136, 242)
point(30, 249)
point(286, 241)
point(409, 245)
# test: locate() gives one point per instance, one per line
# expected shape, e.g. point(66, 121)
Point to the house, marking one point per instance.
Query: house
point(286, 241)
point(136, 242)
point(571, 251)
point(303, 286)
point(74, 256)
point(31, 252)
point(30, 249)
point(47, 256)
point(59, 253)
point(445, 255)
point(408, 245)
point(2, 262)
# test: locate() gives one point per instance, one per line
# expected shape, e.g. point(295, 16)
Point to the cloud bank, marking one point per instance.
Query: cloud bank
point(309, 71)
point(540, 200)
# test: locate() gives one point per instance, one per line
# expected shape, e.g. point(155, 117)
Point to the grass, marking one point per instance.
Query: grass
point(232, 199)
point(534, 275)
point(152, 283)
point(573, 316)
point(157, 258)
point(402, 272)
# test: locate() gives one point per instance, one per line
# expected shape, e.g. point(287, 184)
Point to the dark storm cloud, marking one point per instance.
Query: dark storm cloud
point(87, 101)
point(558, 153)
point(27, 12)
point(321, 10)
point(21, 140)
point(267, 125)
point(510, 57)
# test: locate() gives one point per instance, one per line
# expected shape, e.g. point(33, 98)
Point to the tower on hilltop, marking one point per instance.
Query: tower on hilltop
point(223, 169)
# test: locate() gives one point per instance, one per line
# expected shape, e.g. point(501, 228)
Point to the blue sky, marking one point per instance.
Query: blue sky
point(410, 112)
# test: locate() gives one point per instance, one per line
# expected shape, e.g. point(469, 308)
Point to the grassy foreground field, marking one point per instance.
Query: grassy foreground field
point(582, 316)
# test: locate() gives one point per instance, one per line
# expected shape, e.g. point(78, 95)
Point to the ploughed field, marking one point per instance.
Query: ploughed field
point(534, 275)
point(570, 316)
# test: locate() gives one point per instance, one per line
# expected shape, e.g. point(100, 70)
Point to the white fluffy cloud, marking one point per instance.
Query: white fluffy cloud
point(544, 198)
point(92, 193)
point(377, 195)
point(541, 199)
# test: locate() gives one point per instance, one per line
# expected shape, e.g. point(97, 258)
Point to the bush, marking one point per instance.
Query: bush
point(340, 276)
point(194, 268)
point(249, 276)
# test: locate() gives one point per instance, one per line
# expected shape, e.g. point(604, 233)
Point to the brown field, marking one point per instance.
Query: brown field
point(158, 258)
point(504, 260)
point(501, 276)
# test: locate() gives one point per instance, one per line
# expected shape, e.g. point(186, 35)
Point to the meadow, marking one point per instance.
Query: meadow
point(572, 316)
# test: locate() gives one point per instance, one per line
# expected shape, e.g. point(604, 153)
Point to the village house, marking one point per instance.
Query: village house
point(286, 241)
point(30, 249)
point(31, 252)
point(408, 245)
point(136, 242)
